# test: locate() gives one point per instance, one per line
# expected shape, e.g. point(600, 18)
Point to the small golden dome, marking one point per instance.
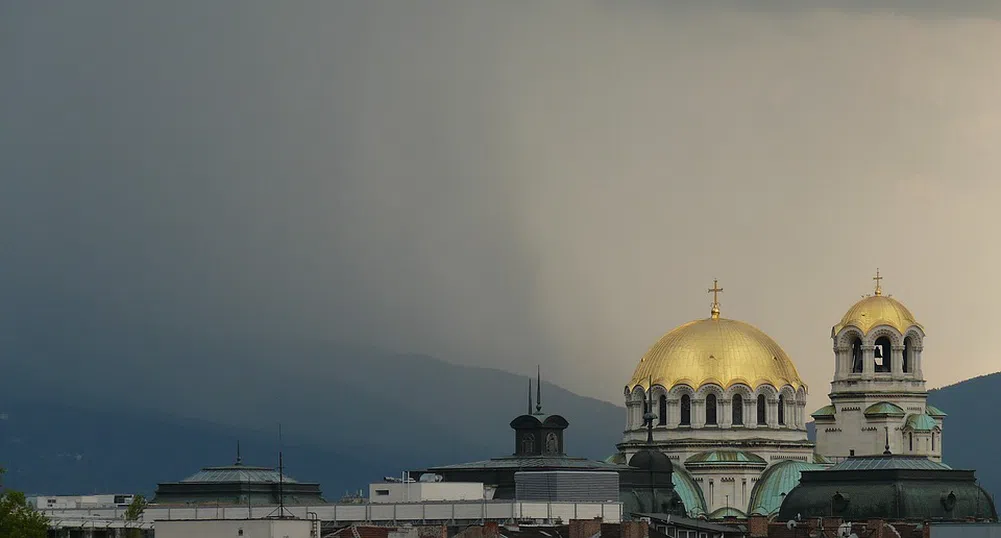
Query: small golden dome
point(716, 350)
point(876, 310)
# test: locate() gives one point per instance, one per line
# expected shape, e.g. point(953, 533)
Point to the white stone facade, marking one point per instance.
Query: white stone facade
point(781, 435)
point(894, 396)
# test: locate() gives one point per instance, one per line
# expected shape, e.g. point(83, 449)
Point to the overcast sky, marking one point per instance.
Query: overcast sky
point(503, 183)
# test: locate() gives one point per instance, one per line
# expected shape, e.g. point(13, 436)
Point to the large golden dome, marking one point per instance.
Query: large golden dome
point(877, 310)
point(716, 350)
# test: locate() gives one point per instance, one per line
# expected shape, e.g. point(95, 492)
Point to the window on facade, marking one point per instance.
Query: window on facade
point(782, 409)
point(933, 441)
point(528, 444)
point(686, 410)
point(881, 354)
point(761, 410)
point(662, 411)
point(711, 409)
point(857, 356)
point(910, 441)
point(738, 410)
point(908, 350)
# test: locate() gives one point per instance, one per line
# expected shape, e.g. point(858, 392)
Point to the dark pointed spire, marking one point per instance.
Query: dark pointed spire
point(538, 391)
point(886, 450)
point(530, 396)
point(239, 460)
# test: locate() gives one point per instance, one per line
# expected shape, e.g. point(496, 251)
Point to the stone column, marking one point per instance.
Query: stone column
point(726, 408)
point(897, 361)
point(773, 412)
point(868, 361)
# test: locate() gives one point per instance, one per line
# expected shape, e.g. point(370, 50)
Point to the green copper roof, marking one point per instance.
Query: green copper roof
point(822, 460)
point(893, 462)
point(934, 411)
point(826, 411)
point(884, 408)
point(727, 511)
point(617, 458)
point(920, 423)
point(777, 481)
point(724, 457)
point(689, 491)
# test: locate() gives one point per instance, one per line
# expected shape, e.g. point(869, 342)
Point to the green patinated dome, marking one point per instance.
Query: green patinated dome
point(886, 409)
point(934, 411)
point(727, 512)
point(775, 483)
point(827, 411)
point(689, 491)
point(920, 423)
point(725, 458)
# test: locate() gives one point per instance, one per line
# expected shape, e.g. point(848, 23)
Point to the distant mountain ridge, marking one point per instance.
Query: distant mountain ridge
point(350, 415)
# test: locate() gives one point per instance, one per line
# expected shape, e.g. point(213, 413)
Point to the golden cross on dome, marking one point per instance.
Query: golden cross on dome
point(877, 278)
point(715, 291)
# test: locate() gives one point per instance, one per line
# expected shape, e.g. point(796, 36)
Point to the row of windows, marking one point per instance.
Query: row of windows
point(882, 355)
point(712, 410)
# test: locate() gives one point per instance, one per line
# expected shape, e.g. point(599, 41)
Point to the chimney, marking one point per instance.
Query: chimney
point(757, 525)
point(491, 530)
point(585, 528)
point(635, 529)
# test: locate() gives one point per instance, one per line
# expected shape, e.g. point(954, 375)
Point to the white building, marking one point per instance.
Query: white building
point(63, 502)
point(878, 396)
point(417, 492)
point(237, 528)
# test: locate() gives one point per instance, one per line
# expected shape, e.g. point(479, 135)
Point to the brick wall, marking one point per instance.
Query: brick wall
point(584, 528)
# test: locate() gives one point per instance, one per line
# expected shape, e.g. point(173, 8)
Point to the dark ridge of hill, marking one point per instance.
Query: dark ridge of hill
point(124, 415)
point(971, 438)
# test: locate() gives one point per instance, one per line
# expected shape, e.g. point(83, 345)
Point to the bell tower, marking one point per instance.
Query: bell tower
point(878, 386)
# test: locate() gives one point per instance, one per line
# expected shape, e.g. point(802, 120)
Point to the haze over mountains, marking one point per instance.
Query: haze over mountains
point(350, 415)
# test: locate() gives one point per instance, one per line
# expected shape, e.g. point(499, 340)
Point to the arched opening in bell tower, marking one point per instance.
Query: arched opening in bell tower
point(908, 355)
point(782, 409)
point(857, 356)
point(881, 354)
point(662, 410)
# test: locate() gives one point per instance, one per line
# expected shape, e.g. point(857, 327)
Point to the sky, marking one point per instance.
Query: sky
point(503, 183)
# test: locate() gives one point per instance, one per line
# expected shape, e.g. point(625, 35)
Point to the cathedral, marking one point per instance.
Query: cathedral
point(726, 405)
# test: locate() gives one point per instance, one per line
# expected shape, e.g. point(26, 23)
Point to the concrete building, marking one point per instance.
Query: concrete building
point(417, 492)
point(247, 528)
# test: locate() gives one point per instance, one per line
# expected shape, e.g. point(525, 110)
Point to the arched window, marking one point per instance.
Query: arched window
point(762, 419)
point(711, 409)
point(528, 444)
point(933, 441)
point(857, 356)
point(908, 350)
point(686, 410)
point(738, 410)
point(910, 442)
point(782, 409)
point(662, 411)
point(881, 354)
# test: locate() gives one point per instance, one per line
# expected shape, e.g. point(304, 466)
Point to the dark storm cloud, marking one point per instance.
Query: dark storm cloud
point(493, 183)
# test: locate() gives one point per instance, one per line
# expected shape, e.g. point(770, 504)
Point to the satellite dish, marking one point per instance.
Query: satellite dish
point(791, 524)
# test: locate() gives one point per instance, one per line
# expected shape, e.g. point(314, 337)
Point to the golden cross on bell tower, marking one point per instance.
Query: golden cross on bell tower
point(714, 313)
point(877, 278)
